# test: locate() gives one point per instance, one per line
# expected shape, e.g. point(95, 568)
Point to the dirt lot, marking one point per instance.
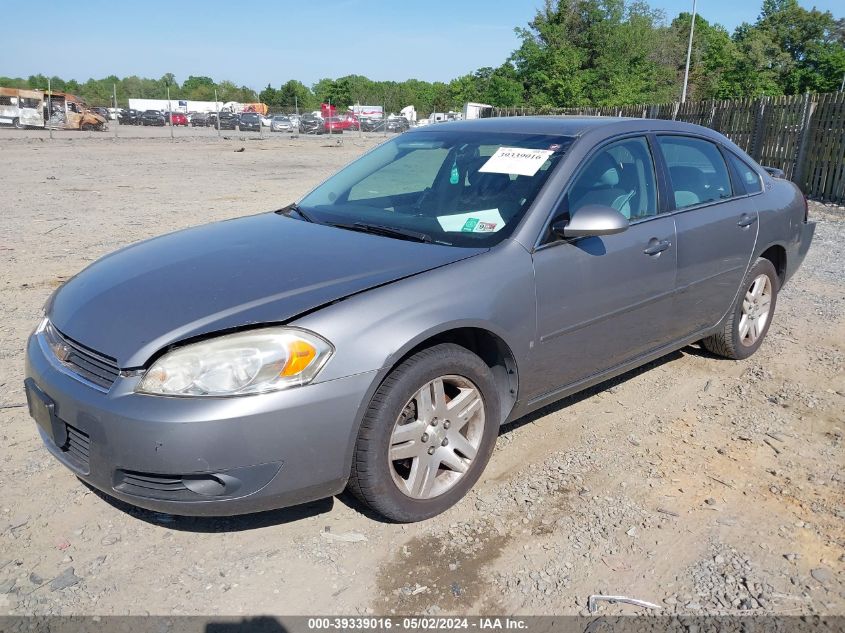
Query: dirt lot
point(703, 485)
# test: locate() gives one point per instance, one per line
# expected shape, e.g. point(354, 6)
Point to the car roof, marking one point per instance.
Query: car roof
point(572, 125)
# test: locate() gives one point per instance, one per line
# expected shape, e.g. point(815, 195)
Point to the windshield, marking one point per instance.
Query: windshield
point(459, 188)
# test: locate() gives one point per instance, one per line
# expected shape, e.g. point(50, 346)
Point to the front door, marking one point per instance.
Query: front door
point(604, 300)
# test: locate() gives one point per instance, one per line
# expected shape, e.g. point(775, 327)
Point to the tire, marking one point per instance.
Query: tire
point(17, 123)
point(380, 482)
point(746, 326)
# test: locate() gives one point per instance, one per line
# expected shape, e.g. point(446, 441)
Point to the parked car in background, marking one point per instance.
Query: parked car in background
point(338, 124)
point(103, 112)
point(226, 121)
point(249, 122)
point(281, 123)
point(211, 119)
point(129, 117)
point(199, 119)
point(370, 124)
point(398, 124)
point(377, 334)
point(310, 124)
point(153, 117)
point(178, 118)
point(266, 120)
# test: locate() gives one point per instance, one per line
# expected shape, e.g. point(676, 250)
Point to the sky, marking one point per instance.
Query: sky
point(254, 44)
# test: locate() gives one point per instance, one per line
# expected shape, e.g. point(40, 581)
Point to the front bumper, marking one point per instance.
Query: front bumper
point(200, 456)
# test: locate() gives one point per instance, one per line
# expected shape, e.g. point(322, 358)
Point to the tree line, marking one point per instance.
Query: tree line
point(572, 53)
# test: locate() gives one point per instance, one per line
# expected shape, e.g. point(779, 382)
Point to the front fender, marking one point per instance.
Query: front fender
point(373, 330)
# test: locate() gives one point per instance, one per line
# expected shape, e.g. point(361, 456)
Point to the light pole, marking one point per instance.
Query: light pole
point(169, 110)
point(689, 54)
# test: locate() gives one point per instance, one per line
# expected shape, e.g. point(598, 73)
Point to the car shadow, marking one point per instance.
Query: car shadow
point(208, 525)
point(259, 624)
point(567, 402)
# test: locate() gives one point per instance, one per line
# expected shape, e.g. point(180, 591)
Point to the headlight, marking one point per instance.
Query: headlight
point(256, 361)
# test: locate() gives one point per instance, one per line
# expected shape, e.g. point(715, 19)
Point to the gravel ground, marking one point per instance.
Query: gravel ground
point(704, 486)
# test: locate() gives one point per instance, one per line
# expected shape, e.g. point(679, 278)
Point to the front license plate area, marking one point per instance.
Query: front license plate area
point(43, 411)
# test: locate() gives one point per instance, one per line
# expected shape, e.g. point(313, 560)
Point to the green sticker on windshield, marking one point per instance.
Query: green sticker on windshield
point(469, 225)
point(454, 177)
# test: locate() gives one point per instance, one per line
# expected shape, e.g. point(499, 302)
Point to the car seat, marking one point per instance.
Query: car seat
point(689, 185)
point(600, 184)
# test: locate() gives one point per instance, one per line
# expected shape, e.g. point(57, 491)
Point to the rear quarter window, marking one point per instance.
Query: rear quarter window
point(749, 178)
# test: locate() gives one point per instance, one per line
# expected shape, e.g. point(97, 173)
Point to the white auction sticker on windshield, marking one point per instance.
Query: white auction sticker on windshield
point(516, 160)
point(487, 221)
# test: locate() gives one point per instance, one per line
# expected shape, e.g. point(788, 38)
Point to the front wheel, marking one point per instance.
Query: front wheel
point(747, 324)
point(427, 434)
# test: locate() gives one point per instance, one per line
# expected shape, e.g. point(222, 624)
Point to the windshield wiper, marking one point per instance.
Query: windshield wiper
point(388, 231)
point(295, 208)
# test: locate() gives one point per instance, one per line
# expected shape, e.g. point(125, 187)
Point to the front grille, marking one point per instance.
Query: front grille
point(88, 364)
point(77, 446)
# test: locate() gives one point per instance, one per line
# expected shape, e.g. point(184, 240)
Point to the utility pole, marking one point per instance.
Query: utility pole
point(116, 118)
point(842, 87)
point(217, 120)
point(689, 54)
point(49, 107)
point(170, 111)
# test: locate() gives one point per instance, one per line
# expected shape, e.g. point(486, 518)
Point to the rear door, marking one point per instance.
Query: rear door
point(717, 228)
point(604, 300)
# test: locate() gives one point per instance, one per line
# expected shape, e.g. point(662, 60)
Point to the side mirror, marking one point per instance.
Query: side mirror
point(592, 219)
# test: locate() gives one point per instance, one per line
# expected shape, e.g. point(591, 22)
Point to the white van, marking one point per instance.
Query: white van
point(21, 108)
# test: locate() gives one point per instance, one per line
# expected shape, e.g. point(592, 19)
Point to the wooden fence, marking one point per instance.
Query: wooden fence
point(804, 135)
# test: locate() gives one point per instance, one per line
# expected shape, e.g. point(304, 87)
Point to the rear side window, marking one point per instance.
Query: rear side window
point(697, 171)
point(749, 177)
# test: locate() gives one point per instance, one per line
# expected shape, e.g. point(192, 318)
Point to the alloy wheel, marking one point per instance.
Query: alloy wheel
point(436, 437)
point(756, 306)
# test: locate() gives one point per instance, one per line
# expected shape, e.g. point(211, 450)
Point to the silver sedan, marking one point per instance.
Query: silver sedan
point(375, 335)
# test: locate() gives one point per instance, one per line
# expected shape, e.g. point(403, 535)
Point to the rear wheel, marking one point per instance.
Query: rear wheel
point(427, 434)
point(746, 326)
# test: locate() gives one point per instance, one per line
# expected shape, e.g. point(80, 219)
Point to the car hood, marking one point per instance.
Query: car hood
point(260, 269)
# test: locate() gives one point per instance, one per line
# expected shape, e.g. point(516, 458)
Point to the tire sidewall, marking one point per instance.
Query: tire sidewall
point(413, 374)
point(761, 266)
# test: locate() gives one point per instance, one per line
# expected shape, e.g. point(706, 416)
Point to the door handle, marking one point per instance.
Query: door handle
point(746, 220)
point(655, 246)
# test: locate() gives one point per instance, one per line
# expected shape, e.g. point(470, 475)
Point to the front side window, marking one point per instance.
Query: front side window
point(697, 171)
point(457, 188)
point(621, 176)
point(750, 178)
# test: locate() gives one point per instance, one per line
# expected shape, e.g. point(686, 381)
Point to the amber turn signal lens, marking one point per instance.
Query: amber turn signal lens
point(300, 355)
